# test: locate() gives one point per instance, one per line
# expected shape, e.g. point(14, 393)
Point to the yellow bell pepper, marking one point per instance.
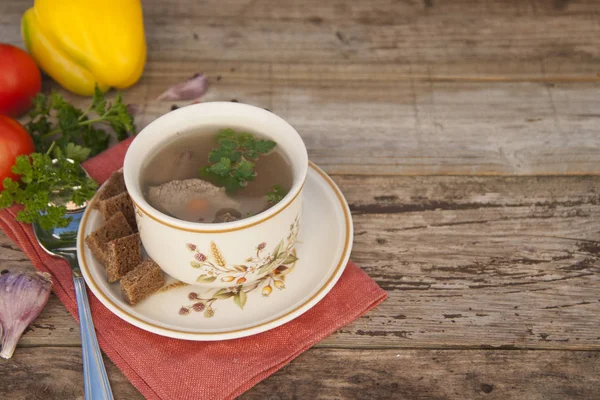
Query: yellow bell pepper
point(84, 43)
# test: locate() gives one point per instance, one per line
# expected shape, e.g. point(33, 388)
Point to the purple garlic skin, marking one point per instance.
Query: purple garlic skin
point(190, 89)
point(22, 298)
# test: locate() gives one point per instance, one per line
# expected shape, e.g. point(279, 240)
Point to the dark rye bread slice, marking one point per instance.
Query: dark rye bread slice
point(116, 227)
point(114, 185)
point(121, 202)
point(140, 283)
point(122, 256)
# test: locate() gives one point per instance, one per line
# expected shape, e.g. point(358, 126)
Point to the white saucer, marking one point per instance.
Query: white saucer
point(323, 249)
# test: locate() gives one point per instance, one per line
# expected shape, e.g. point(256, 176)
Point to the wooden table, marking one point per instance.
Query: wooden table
point(465, 136)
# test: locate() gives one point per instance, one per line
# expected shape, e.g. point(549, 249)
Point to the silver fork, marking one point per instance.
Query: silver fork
point(62, 242)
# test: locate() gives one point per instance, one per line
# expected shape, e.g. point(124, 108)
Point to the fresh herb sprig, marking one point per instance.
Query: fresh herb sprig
point(276, 194)
point(231, 164)
point(75, 132)
point(42, 182)
point(64, 136)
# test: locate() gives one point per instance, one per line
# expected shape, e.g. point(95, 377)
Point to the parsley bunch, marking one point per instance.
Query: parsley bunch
point(231, 166)
point(64, 136)
point(42, 182)
point(75, 132)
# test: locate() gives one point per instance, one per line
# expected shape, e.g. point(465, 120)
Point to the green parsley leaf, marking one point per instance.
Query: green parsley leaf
point(119, 118)
point(244, 171)
point(244, 139)
point(218, 153)
point(40, 106)
point(276, 194)
point(236, 156)
point(24, 168)
point(229, 183)
point(95, 139)
point(44, 181)
point(230, 166)
point(76, 152)
point(251, 154)
point(228, 144)
point(98, 102)
point(264, 146)
point(221, 168)
point(54, 120)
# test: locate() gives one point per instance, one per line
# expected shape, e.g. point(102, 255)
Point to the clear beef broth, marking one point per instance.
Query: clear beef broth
point(181, 160)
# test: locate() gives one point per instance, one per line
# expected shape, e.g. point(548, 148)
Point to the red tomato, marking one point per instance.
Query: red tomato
point(14, 141)
point(20, 80)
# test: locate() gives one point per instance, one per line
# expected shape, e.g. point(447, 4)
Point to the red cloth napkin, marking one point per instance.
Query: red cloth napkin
point(165, 368)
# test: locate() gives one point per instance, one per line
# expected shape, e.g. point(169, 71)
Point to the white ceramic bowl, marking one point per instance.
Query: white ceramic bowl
point(218, 254)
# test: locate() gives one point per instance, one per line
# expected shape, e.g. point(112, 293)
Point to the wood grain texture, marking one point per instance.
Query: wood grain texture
point(544, 36)
point(504, 262)
point(393, 126)
point(492, 280)
point(383, 32)
point(54, 373)
point(468, 263)
point(435, 374)
point(396, 87)
point(408, 127)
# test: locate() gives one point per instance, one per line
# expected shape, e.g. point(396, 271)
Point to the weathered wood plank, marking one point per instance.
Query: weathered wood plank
point(413, 88)
point(411, 127)
point(55, 373)
point(359, 12)
point(454, 91)
point(510, 262)
point(468, 263)
point(428, 40)
point(408, 127)
point(517, 38)
point(435, 374)
point(376, 11)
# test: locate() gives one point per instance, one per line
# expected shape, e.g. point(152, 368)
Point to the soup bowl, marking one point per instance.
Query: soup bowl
point(219, 254)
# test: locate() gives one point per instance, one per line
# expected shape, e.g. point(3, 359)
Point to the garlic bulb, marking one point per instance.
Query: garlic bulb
point(22, 298)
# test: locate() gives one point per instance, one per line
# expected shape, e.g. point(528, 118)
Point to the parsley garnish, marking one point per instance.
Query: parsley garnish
point(276, 194)
point(64, 136)
point(232, 165)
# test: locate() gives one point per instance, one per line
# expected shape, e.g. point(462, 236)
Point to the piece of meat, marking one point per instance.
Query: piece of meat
point(175, 197)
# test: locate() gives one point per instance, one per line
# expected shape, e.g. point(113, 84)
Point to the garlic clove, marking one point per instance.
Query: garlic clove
point(22, 298)
point(190, 89)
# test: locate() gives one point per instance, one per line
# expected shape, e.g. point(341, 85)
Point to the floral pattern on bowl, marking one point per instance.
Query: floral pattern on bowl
point(274, 279)
point(214, 265)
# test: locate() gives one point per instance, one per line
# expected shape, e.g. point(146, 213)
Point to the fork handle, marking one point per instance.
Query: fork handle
point(95, 380)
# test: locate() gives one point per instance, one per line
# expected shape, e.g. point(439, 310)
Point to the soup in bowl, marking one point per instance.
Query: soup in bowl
point(217, 190)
